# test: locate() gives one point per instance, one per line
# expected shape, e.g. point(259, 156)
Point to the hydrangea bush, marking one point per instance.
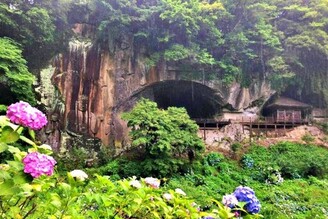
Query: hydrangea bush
point(17, 187)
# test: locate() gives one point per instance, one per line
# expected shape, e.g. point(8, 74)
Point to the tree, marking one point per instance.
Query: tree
point(162, 135)
point(14, 74)
point(40, 26)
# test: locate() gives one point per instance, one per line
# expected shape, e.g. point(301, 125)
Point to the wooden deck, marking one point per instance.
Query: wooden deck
point(267, 122)
point(268, 127)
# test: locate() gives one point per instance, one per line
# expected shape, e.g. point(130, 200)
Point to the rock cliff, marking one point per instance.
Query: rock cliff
point(91, 85)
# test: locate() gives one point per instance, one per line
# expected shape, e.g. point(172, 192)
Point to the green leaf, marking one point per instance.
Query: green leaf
point(7, 188)
point(4, 120)
point(28, 141)
point(55, 200)
point(4, 175)
point(3, 147)
point(16, 164)
point(9, 135)
point(13, 150)
point(20, 178)
point(32, 134)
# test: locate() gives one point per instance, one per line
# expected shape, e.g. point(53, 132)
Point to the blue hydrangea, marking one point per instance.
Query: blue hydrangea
point(247, 195)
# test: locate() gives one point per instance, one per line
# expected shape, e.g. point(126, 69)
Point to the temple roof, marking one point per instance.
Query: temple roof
point(285, 102)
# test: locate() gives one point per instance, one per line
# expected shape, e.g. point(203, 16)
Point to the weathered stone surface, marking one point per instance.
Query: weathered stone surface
point(94, 85)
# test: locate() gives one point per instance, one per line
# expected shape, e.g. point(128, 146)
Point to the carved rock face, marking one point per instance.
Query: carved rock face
point(94, 85)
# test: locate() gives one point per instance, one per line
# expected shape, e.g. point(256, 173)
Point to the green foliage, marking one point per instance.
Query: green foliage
point(297, 198)
point(213, 159)
point(16, 188)
point(74, 195)
point(281, 76)
point(74, 158)
point(77, 196)
point(3, 109)
point(163, 135)
point(283, 42)
point(68, 196)
point(14, 75)
point(174, 30)
point(176, 52)
point(293, 160)
point(241, 41)
point(31, 26)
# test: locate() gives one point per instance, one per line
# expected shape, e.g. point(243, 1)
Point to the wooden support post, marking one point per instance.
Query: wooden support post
point(275, 130)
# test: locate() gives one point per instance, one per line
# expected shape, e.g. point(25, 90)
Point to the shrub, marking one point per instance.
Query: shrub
point(73, 158)
point(15, 76)
point(213, 159)
point(163, 135)
point(308, 138)
point(247, 161)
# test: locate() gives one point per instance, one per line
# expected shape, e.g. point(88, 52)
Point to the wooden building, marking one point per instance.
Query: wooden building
point(287, 110)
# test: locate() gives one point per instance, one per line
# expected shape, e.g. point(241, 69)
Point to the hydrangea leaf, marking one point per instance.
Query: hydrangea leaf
point(13, 150)
point(3, 147)
point(26, 140)
point(16, 164)
point(31, 133)
point(9, 135)
point(6, 188)
point(4, 175)
point(20, 178)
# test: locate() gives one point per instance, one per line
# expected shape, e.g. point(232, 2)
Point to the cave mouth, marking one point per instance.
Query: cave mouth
point(199, 100)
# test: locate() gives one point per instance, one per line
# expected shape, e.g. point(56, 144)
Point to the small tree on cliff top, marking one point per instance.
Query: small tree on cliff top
point(162, 134)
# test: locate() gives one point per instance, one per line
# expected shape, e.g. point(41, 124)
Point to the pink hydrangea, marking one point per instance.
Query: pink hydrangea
point(37, 164)
point(24, 114)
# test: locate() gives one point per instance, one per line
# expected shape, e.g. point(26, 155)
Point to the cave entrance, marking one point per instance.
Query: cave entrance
point(200, 101)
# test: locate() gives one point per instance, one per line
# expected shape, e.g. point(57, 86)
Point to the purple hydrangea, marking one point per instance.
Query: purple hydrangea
point(37, 164)
point(246, 194)
point(24, 114)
